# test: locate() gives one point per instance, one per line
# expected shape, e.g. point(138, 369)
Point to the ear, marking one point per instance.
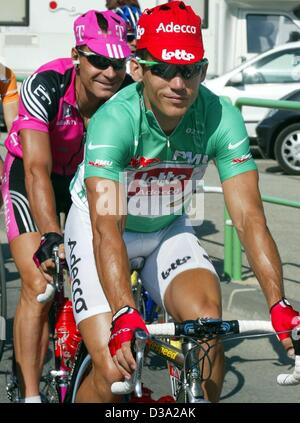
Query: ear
point(136, 70)
point(203, 73)
point(74, 55)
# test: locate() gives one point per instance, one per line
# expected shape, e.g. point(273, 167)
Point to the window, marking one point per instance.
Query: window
point(15, 13)
point(267, 31)
point(280, 67)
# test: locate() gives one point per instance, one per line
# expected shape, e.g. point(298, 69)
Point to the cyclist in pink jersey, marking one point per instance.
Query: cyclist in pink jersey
point(45, 146)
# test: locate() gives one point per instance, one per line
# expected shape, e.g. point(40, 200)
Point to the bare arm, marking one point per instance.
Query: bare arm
point(109, 248)
point(10, 111)
point(37, 159)
point(243, 201)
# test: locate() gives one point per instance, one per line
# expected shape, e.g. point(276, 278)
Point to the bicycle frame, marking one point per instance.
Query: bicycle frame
point(183, 367)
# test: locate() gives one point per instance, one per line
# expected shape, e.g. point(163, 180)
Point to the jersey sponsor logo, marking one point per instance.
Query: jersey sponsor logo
point(41, 92)
point(242, 159)
point(185, 29)
point(193, 131)
point(190, 157)
point(101, 163)
point(67, 122)
point(141, 161)
point(237, 144)
point(67, 110)
point(178, 54)
point(78, 300)
point(160, 181)
point(174, 266)
point(67, 119)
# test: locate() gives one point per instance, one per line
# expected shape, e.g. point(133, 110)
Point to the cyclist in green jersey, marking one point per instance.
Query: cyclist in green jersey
point(146, 151)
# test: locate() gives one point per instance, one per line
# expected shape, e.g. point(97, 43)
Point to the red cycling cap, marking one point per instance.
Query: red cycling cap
point(171, 32)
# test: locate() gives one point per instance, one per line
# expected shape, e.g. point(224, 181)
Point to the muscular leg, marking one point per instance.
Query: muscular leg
point(192, 294)
point(96, 386)
point(31, 318)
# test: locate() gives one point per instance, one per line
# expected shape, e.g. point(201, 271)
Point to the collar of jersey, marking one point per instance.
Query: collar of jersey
point(70, 96)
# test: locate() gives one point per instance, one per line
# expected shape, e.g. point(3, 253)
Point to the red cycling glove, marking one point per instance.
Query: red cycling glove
point(124, 323)
point(284, 317)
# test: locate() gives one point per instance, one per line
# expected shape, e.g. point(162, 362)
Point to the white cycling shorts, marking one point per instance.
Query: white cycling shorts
point(167, 253)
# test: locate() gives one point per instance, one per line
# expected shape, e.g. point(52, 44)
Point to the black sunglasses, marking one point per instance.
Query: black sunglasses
point(168, 70)
point(102, 62)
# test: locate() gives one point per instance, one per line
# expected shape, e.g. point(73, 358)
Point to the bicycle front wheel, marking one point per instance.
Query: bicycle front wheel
point(2, 304)
point(82, 367)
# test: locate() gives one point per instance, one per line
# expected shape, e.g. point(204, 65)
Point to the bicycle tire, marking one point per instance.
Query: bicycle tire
point(3, 304)
point(82, 365)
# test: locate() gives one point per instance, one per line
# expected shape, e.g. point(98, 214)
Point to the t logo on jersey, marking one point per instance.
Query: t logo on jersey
point(41, 92)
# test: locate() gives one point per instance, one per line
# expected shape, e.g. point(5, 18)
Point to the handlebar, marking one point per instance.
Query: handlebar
point(198, 329)
point(51, 288)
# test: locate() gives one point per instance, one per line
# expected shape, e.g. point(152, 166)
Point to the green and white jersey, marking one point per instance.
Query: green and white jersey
point(125, 143)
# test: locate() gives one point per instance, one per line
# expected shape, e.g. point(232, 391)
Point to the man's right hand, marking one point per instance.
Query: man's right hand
point(124, 324)
point(284, 318)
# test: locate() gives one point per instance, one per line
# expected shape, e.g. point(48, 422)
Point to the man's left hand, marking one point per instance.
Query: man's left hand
point(43, 257)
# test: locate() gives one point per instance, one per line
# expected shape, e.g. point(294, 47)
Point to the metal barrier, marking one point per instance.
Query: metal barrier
point(232, 243)
point(270, 104)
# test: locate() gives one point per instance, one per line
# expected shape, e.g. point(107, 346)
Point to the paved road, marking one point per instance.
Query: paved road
point(251, 365)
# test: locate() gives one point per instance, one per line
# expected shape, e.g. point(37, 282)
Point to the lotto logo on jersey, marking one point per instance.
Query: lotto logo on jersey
point(167, 175)
point(160, 181)
point(185, 29)
point(178, 54)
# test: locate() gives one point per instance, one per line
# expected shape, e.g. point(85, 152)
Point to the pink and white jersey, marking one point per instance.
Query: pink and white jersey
point(48, 104)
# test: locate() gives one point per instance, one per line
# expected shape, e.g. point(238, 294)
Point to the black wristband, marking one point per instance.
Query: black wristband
point(45, 251)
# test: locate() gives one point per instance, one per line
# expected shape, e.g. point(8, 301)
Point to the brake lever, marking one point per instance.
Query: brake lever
point(140, 343)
